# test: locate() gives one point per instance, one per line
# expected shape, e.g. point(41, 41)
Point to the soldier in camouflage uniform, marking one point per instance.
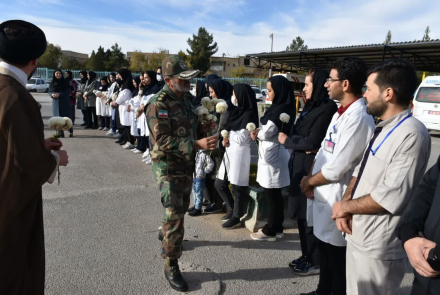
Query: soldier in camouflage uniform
point(173, 132)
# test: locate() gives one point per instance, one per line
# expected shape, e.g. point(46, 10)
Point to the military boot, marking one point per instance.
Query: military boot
point(173, 275)
point(160, 237)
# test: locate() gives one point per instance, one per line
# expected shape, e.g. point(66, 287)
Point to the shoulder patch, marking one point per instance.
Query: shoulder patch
point(163, 114)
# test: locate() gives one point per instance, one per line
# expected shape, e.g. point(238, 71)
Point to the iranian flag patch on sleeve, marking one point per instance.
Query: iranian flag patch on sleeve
point(163, 114)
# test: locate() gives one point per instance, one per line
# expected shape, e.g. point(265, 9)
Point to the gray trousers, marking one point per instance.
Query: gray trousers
point(368, 276)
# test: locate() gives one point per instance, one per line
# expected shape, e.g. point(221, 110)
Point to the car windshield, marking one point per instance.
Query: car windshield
point(32, 81)
point(429, 95)
point(256, 90)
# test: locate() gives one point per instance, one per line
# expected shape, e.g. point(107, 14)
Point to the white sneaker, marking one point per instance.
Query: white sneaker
point(133, 150)
point(110, 133)
point(105, 129)
point(260, 236)
point(128, 146)
point(145, 160)
point(137, 152)
point(280, 235)
point(146, 154)
point(148, 161)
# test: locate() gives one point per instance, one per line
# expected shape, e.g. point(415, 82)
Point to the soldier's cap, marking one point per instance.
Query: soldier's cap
point(174, 66)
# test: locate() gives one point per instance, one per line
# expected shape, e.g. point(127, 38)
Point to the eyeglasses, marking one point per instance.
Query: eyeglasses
point(330, 80)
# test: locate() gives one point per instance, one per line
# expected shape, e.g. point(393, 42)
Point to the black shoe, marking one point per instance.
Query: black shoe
point(195, 212)
point(83, 124)
point(227, 216)
point(174, 276)
point(191, 209)
point(160, 237)
point(212, 209)
point(306, 269)
point(298, 261)
point(95, 127)
point(88, 127)
point(232, 223)
point(206, 203)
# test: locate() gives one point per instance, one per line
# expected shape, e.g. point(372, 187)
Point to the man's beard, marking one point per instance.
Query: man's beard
point(179, 87)
point(378, 107)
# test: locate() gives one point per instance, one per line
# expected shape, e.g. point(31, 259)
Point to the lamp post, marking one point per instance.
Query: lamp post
point(271, 50)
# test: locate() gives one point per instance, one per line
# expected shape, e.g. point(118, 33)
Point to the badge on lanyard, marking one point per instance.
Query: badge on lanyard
point(329, 145)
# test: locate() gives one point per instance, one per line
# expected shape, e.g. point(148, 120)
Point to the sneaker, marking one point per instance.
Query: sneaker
point(128, 146)
point(306, 269)
point(297, 261)
point(195, 212)
point(191, 209)
point(212, 209)
point(280, 235)
point(111, 133)
point(232, 223)
point(133, 150)
point(100, 128)
point(148, 161)
point(105, 129)
point(260, 236)
point(137, 152)
point(227, 216)
point(146, 154)
point(117, 135)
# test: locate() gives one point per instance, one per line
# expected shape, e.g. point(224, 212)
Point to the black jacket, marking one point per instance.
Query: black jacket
point(307, 134)
point(423, 215)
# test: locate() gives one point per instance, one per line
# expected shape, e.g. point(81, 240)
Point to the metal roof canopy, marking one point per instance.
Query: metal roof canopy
point(425, 55)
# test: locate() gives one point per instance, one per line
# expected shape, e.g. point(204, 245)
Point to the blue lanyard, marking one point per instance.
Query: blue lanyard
point(389, 133)
point(303, 114)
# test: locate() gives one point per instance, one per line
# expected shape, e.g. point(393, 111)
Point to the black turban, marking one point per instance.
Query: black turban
point(21, 42)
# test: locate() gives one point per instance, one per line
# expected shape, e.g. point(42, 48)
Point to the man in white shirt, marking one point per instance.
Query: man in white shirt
point(341, 151)
point(382, 185)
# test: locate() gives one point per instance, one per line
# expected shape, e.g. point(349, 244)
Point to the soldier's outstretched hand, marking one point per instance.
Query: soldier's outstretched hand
point(207, 143)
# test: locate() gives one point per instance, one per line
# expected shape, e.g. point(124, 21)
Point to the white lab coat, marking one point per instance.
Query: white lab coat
point(142, 121)
point(237, 158)
point(124, 116)
point(273, 171)
point(107, 109)
point(350, 134)
point(135, 102)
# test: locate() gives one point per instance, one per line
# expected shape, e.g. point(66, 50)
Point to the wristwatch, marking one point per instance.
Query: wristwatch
point(433, 261)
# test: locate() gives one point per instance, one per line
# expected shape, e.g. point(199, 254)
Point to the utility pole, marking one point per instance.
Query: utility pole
point(223, 66)
point(271, 50)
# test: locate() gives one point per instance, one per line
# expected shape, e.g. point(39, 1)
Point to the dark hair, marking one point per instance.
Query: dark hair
point(399, 75)
point(352, 69)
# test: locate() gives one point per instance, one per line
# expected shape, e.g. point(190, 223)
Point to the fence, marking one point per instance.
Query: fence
point(46, 73)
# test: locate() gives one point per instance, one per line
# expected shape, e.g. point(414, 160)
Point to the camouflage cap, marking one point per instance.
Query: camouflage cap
point(174, 66)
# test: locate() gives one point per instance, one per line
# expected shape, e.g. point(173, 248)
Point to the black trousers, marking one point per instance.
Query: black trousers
point(418, 288)
point(85, 116)
point(105, 121)
point(127, 137)
point(275, 219)
point(308, 241)
point(142, 142)
point(212, 195)
point(332, 279)
point(233, 203)
point(91, 113)
point(72, 113)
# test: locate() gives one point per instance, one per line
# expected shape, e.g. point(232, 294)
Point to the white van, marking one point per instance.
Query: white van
point(426, 103)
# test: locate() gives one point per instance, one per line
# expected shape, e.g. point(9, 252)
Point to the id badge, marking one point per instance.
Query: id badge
point(329, 146)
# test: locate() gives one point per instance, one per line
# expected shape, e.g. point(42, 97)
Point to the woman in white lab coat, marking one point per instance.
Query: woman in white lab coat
point(237, 158)
point(124, 79)
point(273, 172)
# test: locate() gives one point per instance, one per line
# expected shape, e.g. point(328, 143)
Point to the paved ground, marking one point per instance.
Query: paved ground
point(101, 232)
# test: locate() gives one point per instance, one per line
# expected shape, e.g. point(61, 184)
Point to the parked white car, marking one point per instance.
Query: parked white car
point(258, 95)
point(37, 85)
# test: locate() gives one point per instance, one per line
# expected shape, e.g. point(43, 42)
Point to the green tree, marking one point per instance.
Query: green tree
point(202, 48)
point(71, 63)
point(388, 38)
point(51, 58)
point(99, 59)
point(185, 57)
point(426, 35)
point(239, 72)
point(297, 45)
point(155, 59)
point(138, 61)
point(117, 59)
point(90, 63)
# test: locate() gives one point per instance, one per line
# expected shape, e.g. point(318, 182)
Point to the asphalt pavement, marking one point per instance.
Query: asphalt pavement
point(101, 226)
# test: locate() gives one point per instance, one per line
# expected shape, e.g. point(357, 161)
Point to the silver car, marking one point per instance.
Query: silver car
point(37, 85)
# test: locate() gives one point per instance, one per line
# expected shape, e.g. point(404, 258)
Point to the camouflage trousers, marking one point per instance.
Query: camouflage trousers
point(175, 192)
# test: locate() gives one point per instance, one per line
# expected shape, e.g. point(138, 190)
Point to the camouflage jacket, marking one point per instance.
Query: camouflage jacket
point(173, 132)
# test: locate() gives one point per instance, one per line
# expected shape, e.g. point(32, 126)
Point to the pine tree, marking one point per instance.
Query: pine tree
point(51, 58)
point(297, 45)
point(202, 48)
point(99, 60)
point(90, 64)
point(116, 59)
point(426, 35)
point(388, 38)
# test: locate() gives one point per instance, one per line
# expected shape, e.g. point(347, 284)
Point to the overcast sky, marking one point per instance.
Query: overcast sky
point(239, 26)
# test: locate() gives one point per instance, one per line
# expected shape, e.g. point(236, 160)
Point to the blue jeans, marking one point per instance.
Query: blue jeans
point(198, 187)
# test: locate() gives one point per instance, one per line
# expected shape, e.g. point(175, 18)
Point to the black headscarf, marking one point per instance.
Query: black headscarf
point(200, 93)
point(70, 76)
point(319, 93)
point(127, 80)
point(136, 89)
point(154, 85)
point(59, 85)
point(210, 78)
point(284, 102)
point(223, 89)
point(104, 87)
point(84, 80)
point(247, 109)
point(92, 76)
